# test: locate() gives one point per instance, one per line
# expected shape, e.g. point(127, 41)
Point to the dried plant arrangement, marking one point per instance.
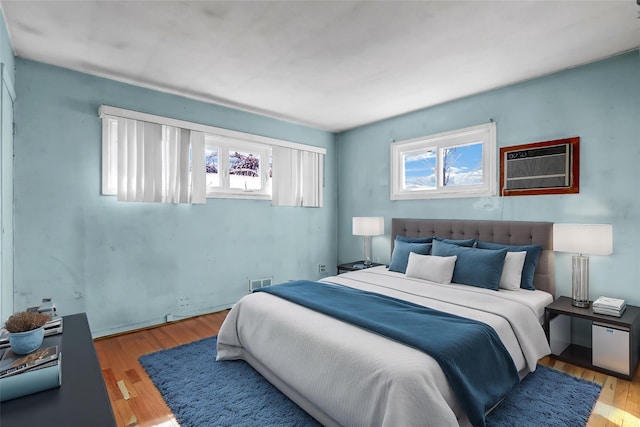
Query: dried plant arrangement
point(25, 321)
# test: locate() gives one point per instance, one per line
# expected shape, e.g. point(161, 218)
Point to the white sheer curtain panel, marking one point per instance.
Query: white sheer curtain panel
point(198, 168)
point(137, 176)
point(158, 163)
point(297, 177)
point(285, 188)
point(312, 179)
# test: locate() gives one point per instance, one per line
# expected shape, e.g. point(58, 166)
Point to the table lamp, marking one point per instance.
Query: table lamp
point(368, 226)
point(582, 240)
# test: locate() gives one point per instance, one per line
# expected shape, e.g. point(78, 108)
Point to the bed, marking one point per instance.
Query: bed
point(344, 375)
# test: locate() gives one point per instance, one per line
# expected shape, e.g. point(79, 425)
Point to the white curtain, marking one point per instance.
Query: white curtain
point(312, 179)
point(286, 189)
point(158, 163)
point(198, 183)
point(297, 177)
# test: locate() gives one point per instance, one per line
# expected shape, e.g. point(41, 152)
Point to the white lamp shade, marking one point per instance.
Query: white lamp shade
point(368, 225)
point(588, 239)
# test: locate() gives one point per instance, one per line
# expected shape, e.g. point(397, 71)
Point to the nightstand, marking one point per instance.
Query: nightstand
point(81, 400)
point(615, 341)
point(354, 266)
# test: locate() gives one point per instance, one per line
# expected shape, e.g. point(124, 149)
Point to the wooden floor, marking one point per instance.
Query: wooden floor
point(137, 403)
point(135, 400)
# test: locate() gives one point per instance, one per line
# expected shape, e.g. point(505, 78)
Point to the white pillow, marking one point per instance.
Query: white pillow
point(512, 270)
point(437, 269)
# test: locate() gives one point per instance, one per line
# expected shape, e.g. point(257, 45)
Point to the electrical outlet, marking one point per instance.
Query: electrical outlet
point(322, 268)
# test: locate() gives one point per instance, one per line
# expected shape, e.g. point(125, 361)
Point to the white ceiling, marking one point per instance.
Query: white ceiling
point(329, 64)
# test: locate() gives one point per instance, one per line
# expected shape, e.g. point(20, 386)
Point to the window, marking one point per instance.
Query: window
point(237, 168)
point(221, 162)
point(459, 163)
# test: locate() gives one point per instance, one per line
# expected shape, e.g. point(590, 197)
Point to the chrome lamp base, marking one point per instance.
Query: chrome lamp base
point(367, 251)
point(580, 281)
point(581, 304)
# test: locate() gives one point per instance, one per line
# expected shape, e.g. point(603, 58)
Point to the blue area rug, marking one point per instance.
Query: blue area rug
point(202, 392)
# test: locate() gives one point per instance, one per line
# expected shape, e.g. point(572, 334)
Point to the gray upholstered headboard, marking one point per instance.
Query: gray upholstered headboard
point(505, 232)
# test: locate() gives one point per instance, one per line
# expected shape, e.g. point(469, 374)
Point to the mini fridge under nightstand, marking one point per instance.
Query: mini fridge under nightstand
point(610, 347)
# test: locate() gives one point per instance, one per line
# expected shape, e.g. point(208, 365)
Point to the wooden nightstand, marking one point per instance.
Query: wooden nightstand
point(354, 266)
point(615, 341)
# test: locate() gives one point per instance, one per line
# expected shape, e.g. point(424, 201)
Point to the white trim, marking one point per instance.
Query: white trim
point(108, 181)
point(106, 110)
point(8, 83)
point(248, 195)
point(7, 210)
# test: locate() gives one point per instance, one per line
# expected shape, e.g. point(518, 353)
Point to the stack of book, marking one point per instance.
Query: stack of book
point(53, 326)
point(21, 375)
point(609, 306)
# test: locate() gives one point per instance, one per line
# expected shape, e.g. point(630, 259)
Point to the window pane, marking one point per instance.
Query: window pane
point(212, 165)
point(462, 165)
point(419, 170)
point(244, 171)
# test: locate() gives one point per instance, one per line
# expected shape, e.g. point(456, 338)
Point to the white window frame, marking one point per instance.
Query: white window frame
point(485, 134)
point(226, 145)
point(236, 140)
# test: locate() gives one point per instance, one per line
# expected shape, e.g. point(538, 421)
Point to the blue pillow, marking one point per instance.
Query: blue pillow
point(401, 251)
point(460, 242)
point(414, 239)
point(475, 267)
point(530, 261)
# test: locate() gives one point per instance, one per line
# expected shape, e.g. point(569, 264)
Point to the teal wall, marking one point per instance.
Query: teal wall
point(127, 264)
point(7, 96)
point(599, 102)
point(6, 51)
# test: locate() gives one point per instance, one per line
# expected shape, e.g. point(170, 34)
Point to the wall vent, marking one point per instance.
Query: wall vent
point(259, 283)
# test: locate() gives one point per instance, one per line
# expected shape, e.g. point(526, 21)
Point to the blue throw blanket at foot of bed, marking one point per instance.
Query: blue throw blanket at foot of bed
point(474, 360)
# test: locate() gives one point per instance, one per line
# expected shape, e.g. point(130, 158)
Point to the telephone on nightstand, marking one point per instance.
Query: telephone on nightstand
point(47, 307)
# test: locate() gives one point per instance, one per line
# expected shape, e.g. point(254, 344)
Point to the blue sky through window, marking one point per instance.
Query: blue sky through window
point(419, 170)
point(464, 167)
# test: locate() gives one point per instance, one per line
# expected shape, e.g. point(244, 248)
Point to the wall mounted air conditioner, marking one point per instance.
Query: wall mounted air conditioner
point(550, 167)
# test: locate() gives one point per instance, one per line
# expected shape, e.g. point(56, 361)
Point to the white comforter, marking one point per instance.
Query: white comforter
point(344, 375)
